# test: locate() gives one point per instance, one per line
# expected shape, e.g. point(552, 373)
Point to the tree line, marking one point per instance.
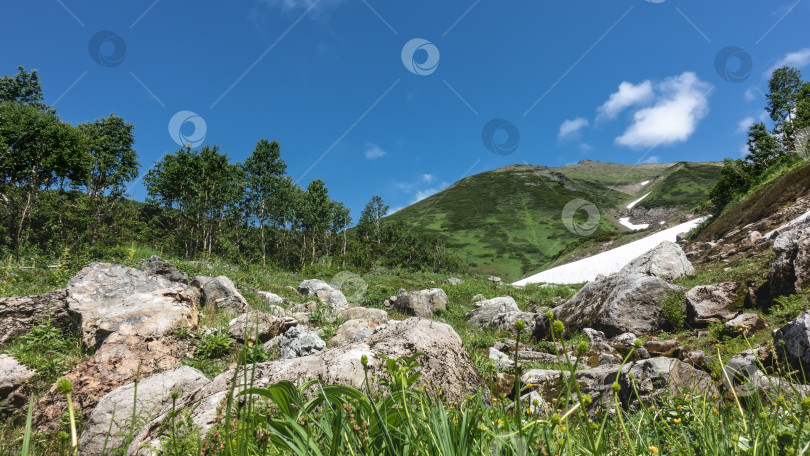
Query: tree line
point(783, 145)
point(65, 188)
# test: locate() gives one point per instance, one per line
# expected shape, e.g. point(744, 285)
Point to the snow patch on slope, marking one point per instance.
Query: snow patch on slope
point(605, 263)
point(798, 219)
point(631, 205)
point(626, 222)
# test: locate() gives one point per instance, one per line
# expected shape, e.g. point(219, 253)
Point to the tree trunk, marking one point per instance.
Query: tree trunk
point(22, 219)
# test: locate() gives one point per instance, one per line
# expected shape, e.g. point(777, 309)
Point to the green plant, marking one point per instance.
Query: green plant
point(788, 307)
point(674, 308)
point(215, 344)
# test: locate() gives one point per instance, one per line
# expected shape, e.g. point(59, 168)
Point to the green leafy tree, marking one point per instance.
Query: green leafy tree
point(370, 224)
point(340, 221)
point(763, 148)
point(315, 214)
point(23, 88)
point(784, 89)
point(264, 172)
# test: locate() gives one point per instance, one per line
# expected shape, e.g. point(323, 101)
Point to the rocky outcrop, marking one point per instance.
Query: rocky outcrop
point(445, 365)
point(300, 341)
point(790, 273)
point(792, 342)
point(485, 311)
point(421, 303)
point(114, 411)
point(355, 331)
point(711, 303)
point(667, 261)
point(748, 323)
point(103, 299)
point(157, 266)
point(13, 375)
point(220, 293)
point(18, 314)
point(333, 299)
point(259, 326)
point(615, 304)
point(364, 313)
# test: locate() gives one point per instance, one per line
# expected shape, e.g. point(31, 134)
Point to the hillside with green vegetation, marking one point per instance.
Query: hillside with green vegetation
point(509, 221)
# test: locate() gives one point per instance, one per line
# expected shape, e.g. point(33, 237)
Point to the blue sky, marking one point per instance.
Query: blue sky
point(401, 99)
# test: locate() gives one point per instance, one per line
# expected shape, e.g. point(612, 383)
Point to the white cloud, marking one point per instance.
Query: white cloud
point(422, 194)
point(796, 59)
point(628, 95)
point(742, 126)
point(373, 151)
point(428, 178)
point(681, 103)
point(302, 4)
point(751, 93)
point(571, 128)
point(744, 150)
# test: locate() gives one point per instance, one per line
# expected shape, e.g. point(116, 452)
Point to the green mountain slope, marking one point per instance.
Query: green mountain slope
point(509, 221)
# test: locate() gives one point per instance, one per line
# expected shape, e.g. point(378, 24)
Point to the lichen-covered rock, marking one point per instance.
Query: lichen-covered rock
point(792, 342)
point(790, 273)
point(667, 261)
point(485, 311)
point(300, 341)
point(354, 331)
point(220, 292)
point(158, 266)
point(711, 303)
point(13, 376)
point(333, 299)
point(259, 326)
point(364, 313)
point(421, 303)
point(18, 314)
point(749, 323)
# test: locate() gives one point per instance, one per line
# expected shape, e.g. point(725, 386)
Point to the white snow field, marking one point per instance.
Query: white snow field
point(631, 205)
point(608, 262)
point(626, 222)
point(798, 219)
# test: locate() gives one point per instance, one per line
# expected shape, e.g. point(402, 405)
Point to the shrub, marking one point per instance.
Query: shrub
point(674, 308)
point(215, 344)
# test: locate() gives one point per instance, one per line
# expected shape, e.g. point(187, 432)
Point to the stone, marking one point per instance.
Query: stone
point(364, 313)
point(333, 299)
point(653, 379)
point(154, 395)
point(259, 326)
point(13, 376)
point(616, 304)
point(506, 321)
point(751, 240)
point(711, 303)
point(299, 341)
point(104, 298)
point(500, 359)
point(485, 311)
point(667, 261)
point(748, 322)
point(276, 311)
point(494, 279)
point(792, 342)
point(454, 281)
point(352, 331)
point(478, 297)
point(669, 348)
point(790, 273)
point(421, 303)
point(270, 298)
point(503, 385)
point(220, 293)
point(625, 339)
point(18, 314)
point(445, 366)
point(157, 266)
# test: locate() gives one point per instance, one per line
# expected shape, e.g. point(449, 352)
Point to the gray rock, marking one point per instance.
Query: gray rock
point(299, 341)
point(333, 299)
point(710, 303)
point(790, 273)
point(353, 331)
point(270, 298)
point(500, 359)
point(478, 297)
point(220, 293)
point(751, 240)
point(454, 281)
point(13, 376)
point(106, 298)
point(624, 339)
point(157, 266)
point(421, 303)
point(18, 314)
point(534, 403)
point(364, 313)
point(494, 279)
point(748, 322)
point(792, 342)
point(485, 311)
point(616, 304)
point(506, 321)
point(276, 311)
point(667, 261)
point(259, 326)
point(446, 365)
point(656, 378)
point(153, 397)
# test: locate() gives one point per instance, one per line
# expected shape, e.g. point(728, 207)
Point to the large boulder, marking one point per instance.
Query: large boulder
point(792, 342)
point(790, 273)
point(421, 303)
point(300, 341)
point(615, 304)
point(506, 321)
point(445, 365)
point(114, 411)
point(333, 299)
point(667, 261)
point(259, 326)
point(354, 330)
point(485, 311)
point(106, 298)
point(158, 266)
point(657, 378)
point(220, 292)
point(13, 376)
point(364, 313)
point(18, 314)
point(711, 303)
